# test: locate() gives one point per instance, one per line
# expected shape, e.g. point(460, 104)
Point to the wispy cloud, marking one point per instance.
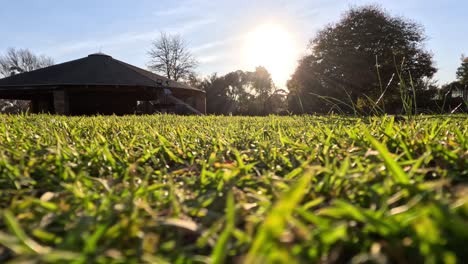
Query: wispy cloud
point(91, 45)
point(209, 45)
point(216, 44)
point(179, 10)
point(182, 8)
point(209, 59)
point(175, 11)
point(121, 40)
point(217, 51)
point(189, 26)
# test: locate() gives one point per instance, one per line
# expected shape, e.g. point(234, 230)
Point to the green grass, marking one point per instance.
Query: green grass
point(172, 189)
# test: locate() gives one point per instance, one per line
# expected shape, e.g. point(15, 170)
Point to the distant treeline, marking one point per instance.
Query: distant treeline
point(369, 62)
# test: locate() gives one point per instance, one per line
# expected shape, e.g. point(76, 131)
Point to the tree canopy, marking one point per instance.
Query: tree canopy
point(242, 93)
point(360, 57)
point(462, 71)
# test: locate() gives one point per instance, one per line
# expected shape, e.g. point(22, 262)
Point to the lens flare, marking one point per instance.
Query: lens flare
point(271, 46)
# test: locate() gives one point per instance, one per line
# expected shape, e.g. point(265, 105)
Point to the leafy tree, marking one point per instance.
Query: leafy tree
point(277, 102)
point(227, 94)
point(304, 87)
point(462, 71)
point(262, 89)
point(460, 88)
point(242, 93)
point(356, 58)
point(217, 99)
point(171, 57)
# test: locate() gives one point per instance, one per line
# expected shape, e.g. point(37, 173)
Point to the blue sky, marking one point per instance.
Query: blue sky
point(68, 30)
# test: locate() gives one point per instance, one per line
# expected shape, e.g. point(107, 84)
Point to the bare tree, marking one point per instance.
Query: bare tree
point(170, 56)
point(22, 60)
point(19, 61)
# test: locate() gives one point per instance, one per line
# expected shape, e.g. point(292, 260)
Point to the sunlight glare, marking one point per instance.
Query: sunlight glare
point(271, 46)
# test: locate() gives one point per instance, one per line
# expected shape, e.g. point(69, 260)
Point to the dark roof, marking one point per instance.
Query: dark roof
point(96, 69)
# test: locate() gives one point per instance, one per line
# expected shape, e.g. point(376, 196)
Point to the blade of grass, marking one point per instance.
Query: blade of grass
point(396, 171)
point(275, 221)
point(219, 251)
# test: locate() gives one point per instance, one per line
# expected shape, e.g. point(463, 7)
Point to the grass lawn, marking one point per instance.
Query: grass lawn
point(176, 189)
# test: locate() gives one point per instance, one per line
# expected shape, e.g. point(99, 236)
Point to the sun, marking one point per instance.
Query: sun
point(271, 46)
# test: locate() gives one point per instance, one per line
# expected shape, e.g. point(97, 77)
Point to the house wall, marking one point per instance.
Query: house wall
point(102, 103)
point(193, 98)
point(42, 104)
point(61, 102)
point(200, 103)
point(107, 100)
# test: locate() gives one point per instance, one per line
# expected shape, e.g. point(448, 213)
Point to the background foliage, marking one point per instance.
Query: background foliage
point(366, 55)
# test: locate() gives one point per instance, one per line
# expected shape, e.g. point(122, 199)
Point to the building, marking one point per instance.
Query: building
point(100, 84)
